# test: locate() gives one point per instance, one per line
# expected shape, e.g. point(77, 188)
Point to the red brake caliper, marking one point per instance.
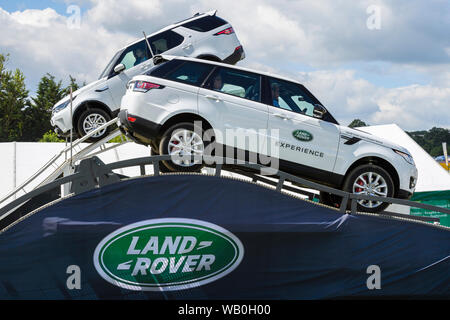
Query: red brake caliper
point(361, 184)
point(174, 142)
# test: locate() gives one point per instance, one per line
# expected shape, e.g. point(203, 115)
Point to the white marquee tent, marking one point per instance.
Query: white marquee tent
point(431, 175)
point(20, 160)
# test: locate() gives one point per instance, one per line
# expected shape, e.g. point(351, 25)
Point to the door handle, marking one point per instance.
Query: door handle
point(145, 66)
point(281, 115)
point(187, 46)
point(216, 98)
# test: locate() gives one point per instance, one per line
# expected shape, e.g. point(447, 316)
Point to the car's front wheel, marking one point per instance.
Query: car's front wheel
point(90, 120)
point(370, 180)
point(183, 141)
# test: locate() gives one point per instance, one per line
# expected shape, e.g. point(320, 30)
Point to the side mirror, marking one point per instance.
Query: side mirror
point(119, 68)
point(300, 98)
point(158, 59)
point(319, 111)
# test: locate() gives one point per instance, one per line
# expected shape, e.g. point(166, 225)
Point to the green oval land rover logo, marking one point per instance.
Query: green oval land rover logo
point(167, 254)
point(302, 135)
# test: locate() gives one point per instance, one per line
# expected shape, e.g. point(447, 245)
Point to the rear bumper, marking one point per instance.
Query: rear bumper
point(140, 130)
point(237, 55)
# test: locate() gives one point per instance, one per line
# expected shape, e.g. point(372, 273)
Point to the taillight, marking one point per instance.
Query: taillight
point(131, 119)
point(144, 86)
point(226, 31)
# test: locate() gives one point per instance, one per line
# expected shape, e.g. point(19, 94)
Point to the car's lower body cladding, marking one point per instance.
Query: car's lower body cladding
point(404, 194)
point(237, 55)
point(62, 134)
point(140, 130)
point(144, 131)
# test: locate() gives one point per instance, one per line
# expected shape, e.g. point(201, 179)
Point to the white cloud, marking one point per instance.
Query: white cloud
point(323, 36)
point(37, 18)
point(414, 107)
point(348, 97)
point(39, 41)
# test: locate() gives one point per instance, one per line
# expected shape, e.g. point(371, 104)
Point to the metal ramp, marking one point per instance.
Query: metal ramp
point(63, 163)
point(92, 173)
point(76, 169)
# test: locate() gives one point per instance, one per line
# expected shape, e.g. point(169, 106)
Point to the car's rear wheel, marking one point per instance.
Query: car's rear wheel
point(162, 167)
point(370, 180)
point(181, 142)
point(90, 120)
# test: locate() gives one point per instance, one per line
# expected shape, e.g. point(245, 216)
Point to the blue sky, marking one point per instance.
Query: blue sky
point(59, 6)
point(20, 5)
point(383, 75)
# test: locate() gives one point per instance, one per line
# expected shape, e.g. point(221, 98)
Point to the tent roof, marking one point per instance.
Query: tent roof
point(432, 177)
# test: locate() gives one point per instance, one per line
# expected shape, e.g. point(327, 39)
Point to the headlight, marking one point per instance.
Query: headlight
point(405, 156)
point(61, 106)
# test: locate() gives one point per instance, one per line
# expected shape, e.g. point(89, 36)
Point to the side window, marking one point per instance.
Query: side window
point(193, 73)
point(111, 65)
point(236, 82)
point(290, 96)
point(164, 68)
point(205, 24)
point(165, 41)
point(134, 55)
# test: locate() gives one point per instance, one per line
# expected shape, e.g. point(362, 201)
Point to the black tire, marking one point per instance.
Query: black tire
point(162, 167)
point(164, 147)
point(104, 116)
point(209, 58)
point(352, 178)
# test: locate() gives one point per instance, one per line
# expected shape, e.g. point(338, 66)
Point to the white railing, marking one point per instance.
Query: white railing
point(62, 162)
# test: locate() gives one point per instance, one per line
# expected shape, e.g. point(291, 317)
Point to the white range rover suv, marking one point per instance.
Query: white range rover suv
point(204, 36)
point(164, 108)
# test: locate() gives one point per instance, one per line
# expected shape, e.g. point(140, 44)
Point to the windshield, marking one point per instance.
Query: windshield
point(110, 65)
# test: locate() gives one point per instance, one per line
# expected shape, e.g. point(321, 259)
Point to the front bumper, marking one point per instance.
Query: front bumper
point(404, 194)
point(138, 129)
point(408, 181)
point(62, 121)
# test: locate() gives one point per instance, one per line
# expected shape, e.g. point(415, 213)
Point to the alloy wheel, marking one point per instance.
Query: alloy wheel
point(370, 184)
point(92, 122)
point(184, 144)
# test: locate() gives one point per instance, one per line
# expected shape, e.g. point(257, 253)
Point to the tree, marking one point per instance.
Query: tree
point(74, 84)
point(50, 136)
point(431, 140)
point(357, 123)
point(13, 98)
point(37, 115)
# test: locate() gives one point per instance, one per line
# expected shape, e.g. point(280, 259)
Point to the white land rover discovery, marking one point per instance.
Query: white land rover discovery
point(161, 108)
point(204, 36)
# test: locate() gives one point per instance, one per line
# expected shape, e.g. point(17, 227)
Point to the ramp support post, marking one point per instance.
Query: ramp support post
point(93, 174)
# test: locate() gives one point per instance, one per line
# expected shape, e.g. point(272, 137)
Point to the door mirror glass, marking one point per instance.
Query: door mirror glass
point(319, 111)
point(119, 68)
